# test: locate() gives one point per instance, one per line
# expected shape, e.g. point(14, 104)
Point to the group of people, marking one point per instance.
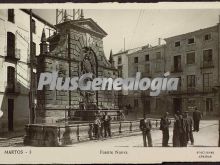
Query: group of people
point(102, 123)
point(183, 128)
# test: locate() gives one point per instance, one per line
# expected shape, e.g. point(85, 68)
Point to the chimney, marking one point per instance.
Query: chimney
point(81, 14)
point(159, 41)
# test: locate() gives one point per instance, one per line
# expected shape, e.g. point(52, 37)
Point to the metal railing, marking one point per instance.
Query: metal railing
point(58, 135)
point(207, 64)
point(176, 69)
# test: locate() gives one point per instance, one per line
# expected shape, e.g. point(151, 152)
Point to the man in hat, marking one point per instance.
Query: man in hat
point(189, 127)
point(164, 127)
point(177, 129)
point(196, 118)
point(107, 124)
point(145, 127)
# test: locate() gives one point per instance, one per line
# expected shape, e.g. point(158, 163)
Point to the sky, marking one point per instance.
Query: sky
point(141, 27)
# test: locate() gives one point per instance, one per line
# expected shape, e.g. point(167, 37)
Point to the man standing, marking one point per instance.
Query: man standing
point(184, 131)
point(107, 125)
point(189, 128)
point(177, 129)
point(97, 125)
point(164, 127)
point(196, 118)
point(145, 127)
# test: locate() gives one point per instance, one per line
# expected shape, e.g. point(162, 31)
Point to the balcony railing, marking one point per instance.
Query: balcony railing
point(34, 60)
point(13, 56)
point(12, 88)
point(176, 69)
point(146, 74)
point(207, 64)
point(207, 89)
point(192, 90)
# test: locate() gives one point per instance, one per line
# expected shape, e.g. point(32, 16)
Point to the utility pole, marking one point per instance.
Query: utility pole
point(31, 114)
point(124, 43)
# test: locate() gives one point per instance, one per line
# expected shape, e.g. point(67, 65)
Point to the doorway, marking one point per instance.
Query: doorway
point(177, 105)
point(10, 114)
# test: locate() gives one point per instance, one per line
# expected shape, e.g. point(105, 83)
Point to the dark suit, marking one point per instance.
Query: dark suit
point(145, 127)
point(107, 125)
point(184, 132)
point(196, 118)
point(176, 131)
point(190, 129)
point(164, 126)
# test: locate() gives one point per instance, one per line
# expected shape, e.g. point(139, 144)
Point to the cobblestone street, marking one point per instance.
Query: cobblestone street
point(207, 136)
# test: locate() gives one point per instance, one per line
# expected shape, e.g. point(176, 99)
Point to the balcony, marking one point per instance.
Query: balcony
point(13, 56)
point(176, 69)
point(191, 90)
point(12, 89)
point(188, 91)
point(34, 60)
point(146, 74)
point(176, 92)
point(208, 89)
point(207, 64)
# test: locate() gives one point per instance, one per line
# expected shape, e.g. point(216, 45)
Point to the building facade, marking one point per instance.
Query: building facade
point(194, 59)
point(15, 64)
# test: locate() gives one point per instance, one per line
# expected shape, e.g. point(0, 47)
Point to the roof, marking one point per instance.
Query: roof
point(87, 24)
point(190, 33)
point(90, 20)
point(39, 18)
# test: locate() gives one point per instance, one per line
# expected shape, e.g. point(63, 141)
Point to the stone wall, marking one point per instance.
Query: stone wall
point(73, 52)
point(60, 135)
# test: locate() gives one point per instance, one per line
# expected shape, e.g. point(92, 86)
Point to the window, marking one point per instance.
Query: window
point(33, 25)
point(135, 102)
point(136, 69)
point(191, 40)
point(157, 67)
point(147, 57)
point(191, 103)
point(207, 82)
point(119, 60)
point(10, 44)
point(177, 43)
point(209, 105)
point(147, 68)
point(207, 55)
point(207, 37)
point(10, 79)
point(33, 49)
point(190, 58)
point(158, 55)
point(177, 63)
point(120, 69)
point(191, 82)
point(207, 58)
point(11, 16)
point(135, 59)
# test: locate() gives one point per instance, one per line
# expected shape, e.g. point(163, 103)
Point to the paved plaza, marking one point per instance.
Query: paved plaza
point(207, 136)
